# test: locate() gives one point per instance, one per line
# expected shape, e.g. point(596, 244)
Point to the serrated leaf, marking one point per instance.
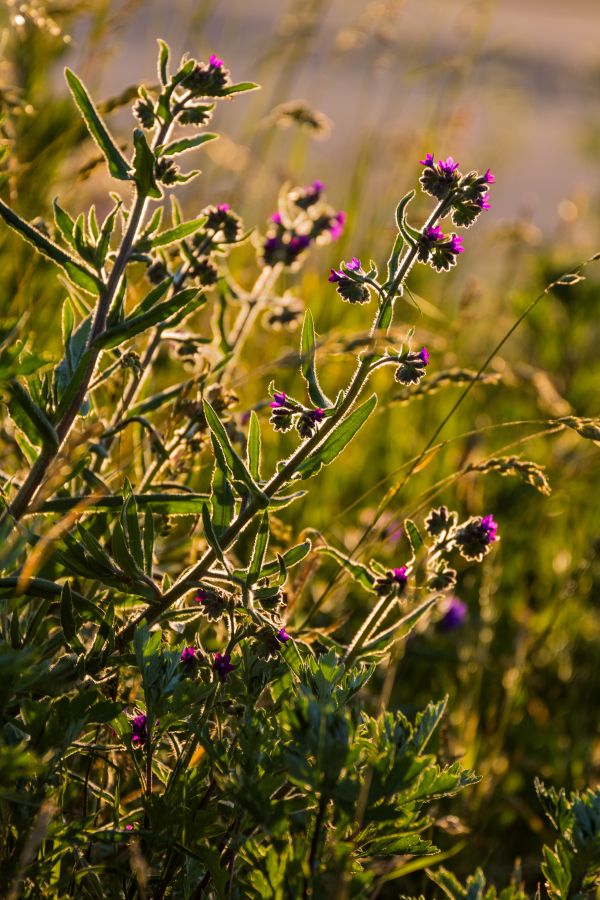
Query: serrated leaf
point(426, 723)
point(211, 537)
point(77, 272)
point(117, 164)
point(222, 499)
point(308, 367)
point(337, 440)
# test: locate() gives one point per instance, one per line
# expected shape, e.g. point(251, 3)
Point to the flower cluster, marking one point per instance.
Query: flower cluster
point(438, 249)
point(393, 583)
point(302, 220)
point(475, 536)
point(467, 194)
point(412, 366)
point(222, 225)
point(349, 281)
point(286, 412)
point(213, 602)
point(208, 79)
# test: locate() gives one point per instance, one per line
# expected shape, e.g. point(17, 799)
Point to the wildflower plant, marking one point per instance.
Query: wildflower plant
point(173, 733)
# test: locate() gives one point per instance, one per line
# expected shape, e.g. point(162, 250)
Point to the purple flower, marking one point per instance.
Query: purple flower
point(400, 576)
point(336, 225)
point(318, 414)
point(455, 245)
point(188, 656)
point(428, 161)
point(276, 217)
point(336, 275)
point(454, 616)
point(489, 528)
point(433, 233)
point(215, 62)
point(483, 202)
point(223, 207)
point(279, 400)
point(424, 354)
point(475, 536)
point(447, 167)
point(272, 244)
point(489, 178)
point(222, 665)
point(299, 242)
point(318, 186)
point(282, 636)
point(139, 733)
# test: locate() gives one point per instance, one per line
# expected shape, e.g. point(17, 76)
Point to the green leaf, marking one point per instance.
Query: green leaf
point(163, 504)
point(240, 88)
point(131, 527)
point(182, 303)
point(357, 571)
point(117, 164)
point(148, 541)
point(308, 353)
point(234, 462)
point(211, 537)
point(163, 62)
point(67, 619)
point(414, 536)
point(290, 558)
point(410, 235)
point(258, 551)
point(106, 234)
point(78, 273)
point(172, 235)
point(64, 222)
point(41, 424)
point(426, 723)
point(337, 439)
point(185, 144)
point(253, 447)
point(222, 499)
point(143, 164)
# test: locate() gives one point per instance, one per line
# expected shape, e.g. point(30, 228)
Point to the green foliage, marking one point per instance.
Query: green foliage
point(162, 734)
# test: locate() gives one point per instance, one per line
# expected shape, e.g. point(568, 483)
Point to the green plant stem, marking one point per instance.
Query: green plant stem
point(287, 471)
point(374, 618)
point(30, 487)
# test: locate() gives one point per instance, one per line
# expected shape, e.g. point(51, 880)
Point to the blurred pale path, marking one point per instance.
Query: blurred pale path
point(509, 84)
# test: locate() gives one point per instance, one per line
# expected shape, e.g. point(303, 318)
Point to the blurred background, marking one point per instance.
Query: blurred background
point(354, 93)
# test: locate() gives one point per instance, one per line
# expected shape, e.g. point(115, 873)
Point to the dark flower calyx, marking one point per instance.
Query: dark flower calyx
point(475, 537)
point(208, 79)
point(440, 520)
point(412, 366)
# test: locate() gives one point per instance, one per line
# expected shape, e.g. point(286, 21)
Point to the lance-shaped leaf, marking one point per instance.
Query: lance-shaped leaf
point(117, 164)
point(185, 144)
point(211, 537)
point(143, 164)
point(67, 620)
point(78, 273)
point(163, 504)
point(222, 499)
point(180, 305)
point(253, 448)
point(357, 571)
point(172, 235)
point(337, 439)
point(258, 551)
point(380, 643)
point(410, 234)
point(21, 405)
point(308, 366)
point(414, 536)
point(290, 558)
point(234, 462)
point(239, 88)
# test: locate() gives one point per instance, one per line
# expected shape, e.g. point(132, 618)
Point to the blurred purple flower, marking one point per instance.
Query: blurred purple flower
point(454, 616)
point(489, 178)
point(279, 400)
point(276, 218)
point(188, 656)
point(428, 161)
point(282, 636)
point(455, 245)
point(336, 225)
point(215, 62)
point(139, 732)
point(433, 233)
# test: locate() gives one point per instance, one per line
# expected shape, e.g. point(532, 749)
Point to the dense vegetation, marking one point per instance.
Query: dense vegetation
point(299, 562)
